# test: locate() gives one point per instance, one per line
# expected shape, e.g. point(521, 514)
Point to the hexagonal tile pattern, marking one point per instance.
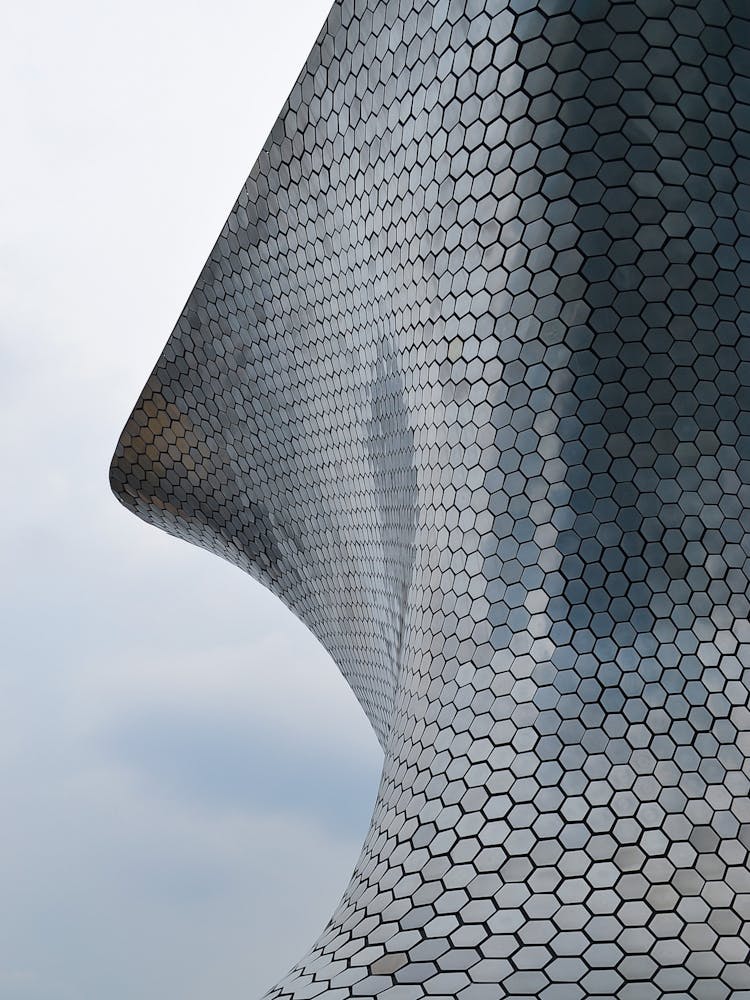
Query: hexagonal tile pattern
point(465, 381)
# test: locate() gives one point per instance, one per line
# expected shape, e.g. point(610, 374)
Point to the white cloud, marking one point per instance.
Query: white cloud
point(123, 871)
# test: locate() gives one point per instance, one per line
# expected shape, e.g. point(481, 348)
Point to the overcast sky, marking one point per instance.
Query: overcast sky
point(185, 779)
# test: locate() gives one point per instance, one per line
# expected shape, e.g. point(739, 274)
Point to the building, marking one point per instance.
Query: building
point(465, 381)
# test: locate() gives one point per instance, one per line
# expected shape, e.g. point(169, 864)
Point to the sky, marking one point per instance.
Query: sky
point(185, 778)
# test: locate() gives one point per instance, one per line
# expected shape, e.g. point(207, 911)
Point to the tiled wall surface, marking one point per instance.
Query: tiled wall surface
point(466, 382)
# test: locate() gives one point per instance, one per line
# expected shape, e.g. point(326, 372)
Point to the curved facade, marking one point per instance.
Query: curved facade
point(465, 381)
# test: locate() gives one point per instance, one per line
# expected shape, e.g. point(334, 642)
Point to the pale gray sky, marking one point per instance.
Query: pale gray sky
point(185, 778)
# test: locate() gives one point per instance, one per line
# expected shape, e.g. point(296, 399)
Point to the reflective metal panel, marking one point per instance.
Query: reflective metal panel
point(465, 381)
